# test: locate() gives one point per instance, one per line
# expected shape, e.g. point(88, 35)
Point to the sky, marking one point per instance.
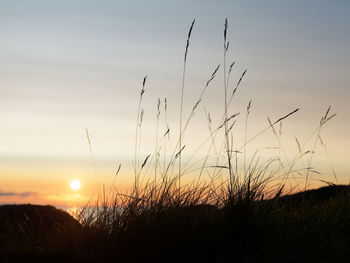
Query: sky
point(70, 65)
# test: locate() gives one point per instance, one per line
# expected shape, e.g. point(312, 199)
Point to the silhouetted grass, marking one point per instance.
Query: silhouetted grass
point(235, 214)
point(308, 227)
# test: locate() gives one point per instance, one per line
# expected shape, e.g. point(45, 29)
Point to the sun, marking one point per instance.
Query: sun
point(75, 185)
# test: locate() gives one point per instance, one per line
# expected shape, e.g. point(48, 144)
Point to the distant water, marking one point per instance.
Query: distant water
point(75, 211)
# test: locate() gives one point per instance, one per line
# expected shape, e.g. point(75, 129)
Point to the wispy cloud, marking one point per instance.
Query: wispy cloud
point(22, 194)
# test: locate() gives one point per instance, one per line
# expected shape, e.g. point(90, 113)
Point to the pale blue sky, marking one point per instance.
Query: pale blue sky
point(67, 65)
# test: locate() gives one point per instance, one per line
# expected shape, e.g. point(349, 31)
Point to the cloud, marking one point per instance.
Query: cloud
point(22, 194)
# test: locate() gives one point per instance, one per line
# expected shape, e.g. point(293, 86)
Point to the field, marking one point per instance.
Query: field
point(309, 227)
point(237, 208)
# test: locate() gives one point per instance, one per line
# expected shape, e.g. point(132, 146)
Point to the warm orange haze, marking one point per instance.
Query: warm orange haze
point(71, 76)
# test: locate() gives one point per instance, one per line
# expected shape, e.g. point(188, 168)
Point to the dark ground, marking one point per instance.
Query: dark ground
point(312, 226)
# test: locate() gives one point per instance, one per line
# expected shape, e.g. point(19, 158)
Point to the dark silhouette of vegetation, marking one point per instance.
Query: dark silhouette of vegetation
point(316, 228)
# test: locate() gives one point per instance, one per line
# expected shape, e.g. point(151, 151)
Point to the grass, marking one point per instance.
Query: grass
point(231, 211)
point(168, 228)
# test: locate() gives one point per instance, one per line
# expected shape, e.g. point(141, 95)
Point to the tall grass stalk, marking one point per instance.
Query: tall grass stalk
point(136, 157)
point(166, 133)
point(156, 152)
point(227, 140)
point(92, 157)
point(323, 121)
point(245, 136)
point(182, 97)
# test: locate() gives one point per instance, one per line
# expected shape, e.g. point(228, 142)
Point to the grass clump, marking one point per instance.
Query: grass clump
point(238, 214)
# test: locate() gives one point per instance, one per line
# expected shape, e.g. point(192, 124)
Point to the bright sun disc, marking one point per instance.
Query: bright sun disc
point(75, 185)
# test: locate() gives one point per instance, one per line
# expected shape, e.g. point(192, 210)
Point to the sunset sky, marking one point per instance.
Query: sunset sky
point(68, 65)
